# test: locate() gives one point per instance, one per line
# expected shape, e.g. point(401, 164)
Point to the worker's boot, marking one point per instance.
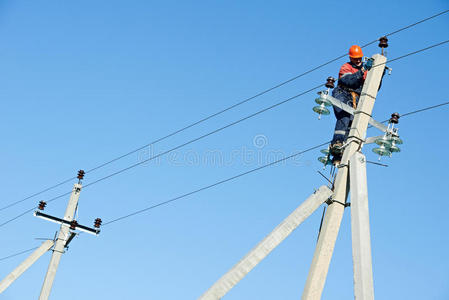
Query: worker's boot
point(336, 160)
point(336, 150)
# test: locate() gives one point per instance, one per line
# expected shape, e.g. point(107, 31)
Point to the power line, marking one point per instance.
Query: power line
point(219, 112)
point(214, 184)
point(18, 216)
point(38, 193)
point(417, 111)
point(424, 109)
point(205, 135)
point(18, 253)
point(172, 149)
point(420, 50)
point(33, 208)
point(419, 22)
point(412, 53)
point(213, 132)
point(235, 123)
point(223, 181)
point(247, 172)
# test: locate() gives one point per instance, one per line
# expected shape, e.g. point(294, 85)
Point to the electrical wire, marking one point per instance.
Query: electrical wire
point(214, 184)
point(210, 133)
point(219, 112)
point(410, 25)
point(418, 51)
point(18, 253)
point(205, 135)
point(424, 109)
point(413, 53)
point(418, 22)
point(235, 123)
point(222, 181)
point(33, 208)
point(247, 172)
point(172, 149)
point(38, 193)
point(416, 111)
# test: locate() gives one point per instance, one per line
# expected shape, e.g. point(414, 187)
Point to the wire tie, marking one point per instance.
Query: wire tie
point(365, 94)
point(361, 112)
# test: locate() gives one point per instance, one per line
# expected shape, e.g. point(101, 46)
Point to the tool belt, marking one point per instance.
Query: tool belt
point(354, 95)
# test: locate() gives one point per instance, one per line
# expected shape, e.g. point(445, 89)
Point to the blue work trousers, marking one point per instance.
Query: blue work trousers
point(344, 119)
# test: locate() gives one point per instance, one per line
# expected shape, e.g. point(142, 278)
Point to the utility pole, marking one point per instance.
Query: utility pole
point(361, 237)
point(65, 234)
point(61, 240)
point(331, 225)
point(6, 282)
point(350, 178)
point(271, 241)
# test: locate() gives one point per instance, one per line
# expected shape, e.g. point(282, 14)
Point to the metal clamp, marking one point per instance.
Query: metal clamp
point(331, 201)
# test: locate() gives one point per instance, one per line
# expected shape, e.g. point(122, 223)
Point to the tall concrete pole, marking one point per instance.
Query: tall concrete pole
point(63, 236)
point(271, 241)
point(361, 240)
point(331, 225)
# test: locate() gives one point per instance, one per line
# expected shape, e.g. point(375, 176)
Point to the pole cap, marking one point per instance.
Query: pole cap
point(395, 118)
point(330, 82)
point(383, 42)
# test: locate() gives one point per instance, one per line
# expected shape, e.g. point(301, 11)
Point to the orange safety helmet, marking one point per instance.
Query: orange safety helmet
point(355, 52)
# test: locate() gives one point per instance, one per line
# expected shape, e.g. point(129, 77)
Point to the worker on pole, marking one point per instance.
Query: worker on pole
point(351, 78)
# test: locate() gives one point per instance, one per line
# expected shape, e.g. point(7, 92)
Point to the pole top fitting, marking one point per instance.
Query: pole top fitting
point(97, 223)
point(383, 43)
point(42, 205)
point(73, 224)
point(394, 118)
point(330, 82)
point(80, 175)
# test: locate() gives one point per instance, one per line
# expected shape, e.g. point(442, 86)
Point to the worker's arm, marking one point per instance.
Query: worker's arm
point(352, 81)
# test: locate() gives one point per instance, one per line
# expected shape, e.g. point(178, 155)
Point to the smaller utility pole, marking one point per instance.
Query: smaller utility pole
point(65, 235)
point(6, 282)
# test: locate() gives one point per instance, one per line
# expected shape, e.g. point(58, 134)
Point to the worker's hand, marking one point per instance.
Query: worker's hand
point(368, 65)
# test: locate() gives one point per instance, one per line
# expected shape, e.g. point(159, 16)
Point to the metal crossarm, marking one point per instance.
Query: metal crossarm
point(350, 110)
point(67, 223)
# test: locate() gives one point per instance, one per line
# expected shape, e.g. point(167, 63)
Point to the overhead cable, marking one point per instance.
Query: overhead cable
point(171, 150)
point(214, 184)
point(223, 181)
point(234, 123)
point(246, 173)
point(18, 253)
point(219, 112)
point(210, 133)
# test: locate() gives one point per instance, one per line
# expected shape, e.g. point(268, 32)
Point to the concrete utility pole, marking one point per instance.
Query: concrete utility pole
point(256, 255)
point(331, 225)
point(361, 237)
point(350, 178)
point(5, 283)
point(63, 236)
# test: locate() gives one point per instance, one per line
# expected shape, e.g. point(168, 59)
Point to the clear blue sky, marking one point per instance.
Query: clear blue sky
point(86, 81)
